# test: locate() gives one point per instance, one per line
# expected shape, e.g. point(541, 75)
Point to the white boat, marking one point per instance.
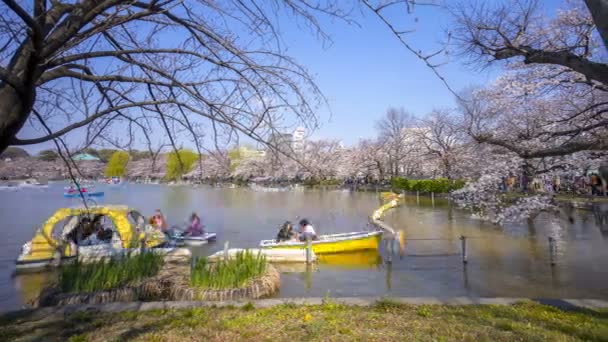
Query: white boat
point(194, 241)
point(272, 255)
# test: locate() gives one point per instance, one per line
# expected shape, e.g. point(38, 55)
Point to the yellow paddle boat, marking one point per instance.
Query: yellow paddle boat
point(96, 231)
point(332, 243)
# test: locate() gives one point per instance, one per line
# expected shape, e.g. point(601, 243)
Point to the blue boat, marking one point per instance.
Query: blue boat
point(86, 194)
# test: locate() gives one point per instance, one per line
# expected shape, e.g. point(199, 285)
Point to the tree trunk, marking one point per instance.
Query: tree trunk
point(599, 12)
point(14, 110)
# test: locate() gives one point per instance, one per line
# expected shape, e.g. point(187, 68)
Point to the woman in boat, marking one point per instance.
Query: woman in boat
point(286, 232)
point(306, 231)
point(159, 221)
point(195, 228)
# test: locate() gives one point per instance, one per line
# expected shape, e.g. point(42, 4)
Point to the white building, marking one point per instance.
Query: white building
point(298, 139)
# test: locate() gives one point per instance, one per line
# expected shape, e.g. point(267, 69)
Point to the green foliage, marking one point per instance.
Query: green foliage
point(14, 152)
point(235, 157)
point(437, 185)
point(138, 155)
point(48, 155)
point(105, 154)
point(175, 169)
point(117, 166)
point(231, 273)
point(108, 274)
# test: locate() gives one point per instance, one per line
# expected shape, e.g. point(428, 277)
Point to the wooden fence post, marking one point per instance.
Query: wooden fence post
point(417, 197)
point(463, 243)
point(226, 244)
point(552, 250)
point(433, 198)
point(308, 249)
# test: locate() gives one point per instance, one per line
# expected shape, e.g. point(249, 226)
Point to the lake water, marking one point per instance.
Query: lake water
point(510, 262)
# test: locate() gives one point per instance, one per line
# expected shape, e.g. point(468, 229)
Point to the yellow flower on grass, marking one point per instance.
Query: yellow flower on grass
point(307, 317)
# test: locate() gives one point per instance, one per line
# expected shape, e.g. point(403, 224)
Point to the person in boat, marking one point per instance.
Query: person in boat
point(286, 232)
point(159, 221)
point(104, 234)
point(195, 228)
point(306, 230)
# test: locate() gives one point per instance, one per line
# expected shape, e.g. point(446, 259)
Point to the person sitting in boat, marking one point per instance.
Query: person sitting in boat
point(286, 232)
point(195, 228)
point(306, 231)
point(104, 234)
point(159, 221)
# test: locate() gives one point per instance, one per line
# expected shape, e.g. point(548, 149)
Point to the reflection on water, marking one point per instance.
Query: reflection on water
point(511, 261)
point(361, 260)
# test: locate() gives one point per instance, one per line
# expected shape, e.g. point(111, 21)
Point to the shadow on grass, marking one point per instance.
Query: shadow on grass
point(569, 307)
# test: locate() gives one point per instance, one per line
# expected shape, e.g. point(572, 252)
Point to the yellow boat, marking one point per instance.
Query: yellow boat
point(333, 243)
point(54, 241)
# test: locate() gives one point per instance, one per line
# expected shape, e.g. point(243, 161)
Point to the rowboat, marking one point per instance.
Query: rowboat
point(63, 237)
point(332, 243)
point(193, 241)
point(85, 194)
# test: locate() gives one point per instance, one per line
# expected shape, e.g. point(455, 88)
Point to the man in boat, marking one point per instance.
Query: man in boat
point(306, 231)
point(195, 228)
point(286, 232)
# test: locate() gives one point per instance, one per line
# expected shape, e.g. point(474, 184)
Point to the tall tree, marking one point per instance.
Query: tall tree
point(393, 133)
point(117, 165)
point(48, 155)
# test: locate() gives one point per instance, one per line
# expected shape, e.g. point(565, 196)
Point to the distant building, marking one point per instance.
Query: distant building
point(85, 156)
point(246, 152)
point(298, 139)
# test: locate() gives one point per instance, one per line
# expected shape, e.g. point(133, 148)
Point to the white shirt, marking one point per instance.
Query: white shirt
point(309, 229)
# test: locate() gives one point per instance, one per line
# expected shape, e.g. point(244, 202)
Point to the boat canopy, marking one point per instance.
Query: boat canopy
point(129, 234)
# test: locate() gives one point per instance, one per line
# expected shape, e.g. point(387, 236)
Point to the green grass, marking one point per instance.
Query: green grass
point(386, 321)
point(232, 273)
point(108, 274)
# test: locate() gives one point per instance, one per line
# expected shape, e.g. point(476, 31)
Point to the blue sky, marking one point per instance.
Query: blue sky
point(365, 70)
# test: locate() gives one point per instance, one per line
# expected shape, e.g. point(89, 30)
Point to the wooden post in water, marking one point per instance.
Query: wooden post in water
point(463, 243)
point(143, 244)
point(417, 197)
point(552, 251)
point(308, 249)
point(433, 198)
point(226, 244)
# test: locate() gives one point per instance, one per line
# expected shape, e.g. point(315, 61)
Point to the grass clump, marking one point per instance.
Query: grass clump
point(232, 273)
point(107, 274)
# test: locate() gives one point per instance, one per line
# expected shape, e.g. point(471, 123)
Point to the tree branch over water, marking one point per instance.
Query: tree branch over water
point(232, 71)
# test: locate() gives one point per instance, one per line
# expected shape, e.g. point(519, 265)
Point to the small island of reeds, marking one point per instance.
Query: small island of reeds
point(231, 273)
point(107, 274)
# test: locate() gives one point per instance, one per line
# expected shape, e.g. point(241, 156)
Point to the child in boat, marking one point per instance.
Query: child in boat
point(307, 230)
point(195, 228)
point(286, 232)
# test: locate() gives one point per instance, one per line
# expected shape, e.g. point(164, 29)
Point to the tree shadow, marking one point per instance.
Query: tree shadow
point(570, 307)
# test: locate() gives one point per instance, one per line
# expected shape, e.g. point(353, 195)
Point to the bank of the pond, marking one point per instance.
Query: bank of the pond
point(385, 320)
